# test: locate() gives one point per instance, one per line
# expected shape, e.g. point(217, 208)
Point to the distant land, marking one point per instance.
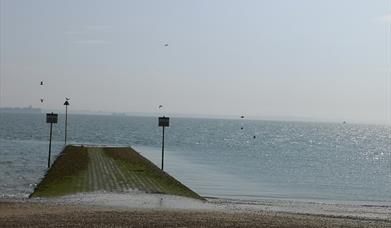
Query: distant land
point(33, 110)
point(28, 109)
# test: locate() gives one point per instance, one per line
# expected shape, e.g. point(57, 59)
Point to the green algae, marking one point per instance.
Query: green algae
point(89, 169)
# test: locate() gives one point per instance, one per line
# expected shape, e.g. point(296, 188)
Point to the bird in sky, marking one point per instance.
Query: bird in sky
point(160, 106)
point(41, 82)
point(165, 45)
point(67, 98)
point(41, 100)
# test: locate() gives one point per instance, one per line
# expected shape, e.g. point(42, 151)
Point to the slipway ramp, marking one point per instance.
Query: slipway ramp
point(80, 169)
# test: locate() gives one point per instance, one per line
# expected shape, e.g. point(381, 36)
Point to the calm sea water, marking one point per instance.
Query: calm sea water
point(316, 162)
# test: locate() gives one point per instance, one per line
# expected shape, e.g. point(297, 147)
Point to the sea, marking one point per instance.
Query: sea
point(241, 159)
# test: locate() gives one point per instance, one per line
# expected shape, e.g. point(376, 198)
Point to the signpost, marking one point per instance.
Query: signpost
point(66, 120)
point(51, 118)
point(163, 122)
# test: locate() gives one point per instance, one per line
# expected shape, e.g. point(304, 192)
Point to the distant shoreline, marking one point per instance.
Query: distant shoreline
point(19, 110)
point(29, 110)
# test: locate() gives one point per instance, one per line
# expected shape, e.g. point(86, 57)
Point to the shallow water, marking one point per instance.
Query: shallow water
point(133, 200)
point(308, 162)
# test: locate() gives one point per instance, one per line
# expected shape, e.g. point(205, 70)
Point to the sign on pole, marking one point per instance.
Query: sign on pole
point(163, 122)
point(51, 118)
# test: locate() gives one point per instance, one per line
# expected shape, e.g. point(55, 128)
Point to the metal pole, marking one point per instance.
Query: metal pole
point(163, 150)
point(50, 144)
point(66, 123)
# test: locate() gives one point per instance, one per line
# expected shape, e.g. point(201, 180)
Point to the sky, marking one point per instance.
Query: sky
point(325, 60)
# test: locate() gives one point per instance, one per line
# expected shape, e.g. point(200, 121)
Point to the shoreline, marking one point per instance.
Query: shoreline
point(182, 211)
point(136, 199)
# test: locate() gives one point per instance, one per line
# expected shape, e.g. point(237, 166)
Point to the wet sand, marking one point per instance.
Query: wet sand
point(27, 213)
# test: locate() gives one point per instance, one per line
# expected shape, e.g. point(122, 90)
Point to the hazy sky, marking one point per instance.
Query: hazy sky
point(305, 58)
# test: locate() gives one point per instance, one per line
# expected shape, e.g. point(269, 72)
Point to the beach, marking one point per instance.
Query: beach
point(15, 214)
point(156, 210)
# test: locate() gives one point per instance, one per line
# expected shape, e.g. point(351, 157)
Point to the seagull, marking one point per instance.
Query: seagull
point(160, 106)
point(67, 99)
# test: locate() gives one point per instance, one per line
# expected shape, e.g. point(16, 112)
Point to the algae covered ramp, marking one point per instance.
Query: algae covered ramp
point(110, 169)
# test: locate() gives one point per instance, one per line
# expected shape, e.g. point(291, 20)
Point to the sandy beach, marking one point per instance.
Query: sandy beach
point(139, 210)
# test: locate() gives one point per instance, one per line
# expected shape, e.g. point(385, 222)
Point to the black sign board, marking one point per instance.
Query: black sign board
point(164, 121)
point(51, 118)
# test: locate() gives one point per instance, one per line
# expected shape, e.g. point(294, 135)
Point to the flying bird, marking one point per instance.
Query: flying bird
point(242, 117)
point(41, 100)
point(67, 99)
point(41, 82)
point(160, 106)
point(165, 45)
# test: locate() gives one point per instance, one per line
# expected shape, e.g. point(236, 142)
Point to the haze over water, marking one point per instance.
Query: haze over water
point(324, 60)
point(316, 162)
